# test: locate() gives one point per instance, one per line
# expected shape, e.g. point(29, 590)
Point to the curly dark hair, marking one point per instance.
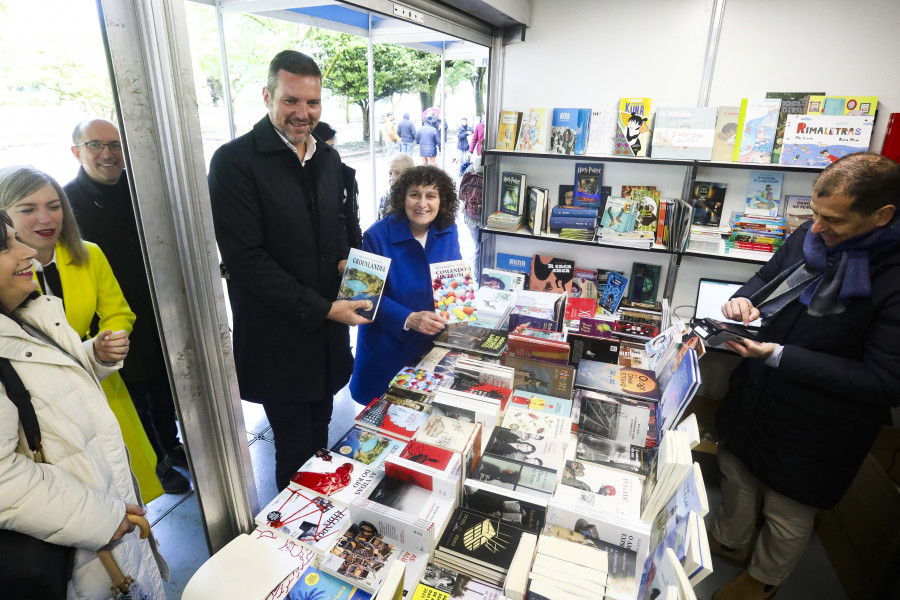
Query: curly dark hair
point(425, 175)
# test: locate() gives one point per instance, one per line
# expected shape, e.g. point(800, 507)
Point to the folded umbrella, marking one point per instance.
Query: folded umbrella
point(124, 586)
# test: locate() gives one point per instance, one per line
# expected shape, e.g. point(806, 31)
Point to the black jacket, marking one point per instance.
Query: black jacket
point(105, 216)
point(281, 246)
point(805, 427)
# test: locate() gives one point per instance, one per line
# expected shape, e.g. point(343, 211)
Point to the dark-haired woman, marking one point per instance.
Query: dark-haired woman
point(419, 230)
point(80, 495)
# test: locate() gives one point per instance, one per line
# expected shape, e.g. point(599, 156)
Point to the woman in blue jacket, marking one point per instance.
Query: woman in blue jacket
point(420, 230)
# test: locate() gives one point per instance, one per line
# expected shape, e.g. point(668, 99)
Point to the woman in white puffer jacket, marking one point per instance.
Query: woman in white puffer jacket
point(81, 497)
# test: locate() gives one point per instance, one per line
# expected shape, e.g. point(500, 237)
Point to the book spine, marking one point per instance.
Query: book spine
point(566, 211)
point(572, 223)
point(750, 246)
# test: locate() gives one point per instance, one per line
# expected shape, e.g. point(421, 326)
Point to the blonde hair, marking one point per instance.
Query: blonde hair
point(18, 182)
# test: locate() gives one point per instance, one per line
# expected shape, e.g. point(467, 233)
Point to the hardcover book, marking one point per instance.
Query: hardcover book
point(550, 274)
point(364, 278)
point(395, 420)
point(454, 288)
point(339, 478)
point(367, 447)
point(764, 193)
point(480, 539)
point(569, 130)
point(792, 103)
point(510, 120)
point(306, 517)
point(644, 282)
point(542, 377)
point(360, 557)
point(726, 132)
point(514, 262)
point(686, 133)
point(819, 140)
point(533, 132)
point(588, 181)
point(537, 209)
point(707, 200)
point(602, 132)
point(796, 211)
point(613, 291)
point(512, 193)
point(633, 127)
point(566, 196)
point(756, 130)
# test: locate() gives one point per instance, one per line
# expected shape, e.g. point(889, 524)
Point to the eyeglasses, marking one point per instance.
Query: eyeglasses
point(95, 147)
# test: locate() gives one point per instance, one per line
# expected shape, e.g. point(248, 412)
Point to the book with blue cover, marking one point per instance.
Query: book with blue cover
point(679, 391)
point(764, 193)
point(613, 291)
point(364, 279)
point(514, 262)
point(322, 586)
point(819, 140)
point(569, 130)
point(588, 181)
point(619, 215)
point(367, 447)
point(757, 125)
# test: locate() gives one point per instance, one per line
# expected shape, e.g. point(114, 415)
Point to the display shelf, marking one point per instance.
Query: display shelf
point(525, 234)
point(758, 166)
point(743, 257)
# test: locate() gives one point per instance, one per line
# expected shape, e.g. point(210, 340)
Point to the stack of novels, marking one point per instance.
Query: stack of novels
point(342, 480)
point(437, 470)
point(493, 306)
point(367, 446)
point(538, 310)
point(442, 583)
point(471, 338)
point(539, 344)
point(361, 557)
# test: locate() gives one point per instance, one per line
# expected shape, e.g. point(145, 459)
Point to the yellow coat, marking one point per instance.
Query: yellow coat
point(91, 289)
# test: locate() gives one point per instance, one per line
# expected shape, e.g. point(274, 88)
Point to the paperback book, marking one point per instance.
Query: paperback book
point(502, 280)
point(522, 510)
point(443, 583)
point(551, 274)
point(602, 132)
point(626, 420)
point(633, 127)
point(360, 557)
point(707, 199)
point(367, 447)
point(386, 417)
point(315, 521)
point(315, 583)
point(336, 477)
point(514, 262)
point(792, 103)
point(617, 455)
point(613, 291)
point(532, 401)
point(510, 120)
point(512, 193)
point(523, 447)
point(645, 282)
point(607, 490)
point(687, 133)
point(796, 211)
point(756, 130)
point(537, 423)
point(764, 193)
point(569, 130)
point(364, 278)
point(533, 131)
point(479, 540)
point(726, 131)
point(454, 286)
point(619, 215)
point(541, 377)
point(616, 379)
point(527, 479)
point(588, 182)
point(471, 338)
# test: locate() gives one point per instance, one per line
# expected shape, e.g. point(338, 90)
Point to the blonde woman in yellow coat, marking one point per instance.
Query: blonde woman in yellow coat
point(43, 219)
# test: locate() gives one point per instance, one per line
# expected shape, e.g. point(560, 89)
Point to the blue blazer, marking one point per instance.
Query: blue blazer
point(383, 347)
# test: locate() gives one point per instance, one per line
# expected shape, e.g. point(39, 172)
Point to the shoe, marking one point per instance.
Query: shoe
point(745, 587)
point(737, 557)
point(178, 457)
point(172, 481)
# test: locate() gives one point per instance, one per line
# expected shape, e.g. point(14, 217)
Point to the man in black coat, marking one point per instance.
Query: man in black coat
point(101, 200)
point(817, 384)
point(276, 196)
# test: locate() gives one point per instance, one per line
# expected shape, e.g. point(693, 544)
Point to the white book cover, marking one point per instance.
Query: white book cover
point(337, 477)
point(602, 131)
point(684, 132)
point(361, 557)
point(819, 140)
point(309, 518)
point(618, 495)
point(537, 423)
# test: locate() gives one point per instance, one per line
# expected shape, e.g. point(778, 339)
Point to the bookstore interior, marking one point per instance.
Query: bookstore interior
point(549, 445)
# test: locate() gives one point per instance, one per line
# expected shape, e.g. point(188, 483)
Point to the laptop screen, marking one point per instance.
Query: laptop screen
point(711, 295)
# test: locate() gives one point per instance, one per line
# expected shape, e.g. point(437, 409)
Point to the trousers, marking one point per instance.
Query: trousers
point(784, 534)
point(299, 428)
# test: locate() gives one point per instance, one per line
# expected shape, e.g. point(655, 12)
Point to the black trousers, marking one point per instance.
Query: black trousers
point(156, 408)
point(299, 430)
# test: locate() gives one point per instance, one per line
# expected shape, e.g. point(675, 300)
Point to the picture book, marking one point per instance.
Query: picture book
point(613, 291)
point(524, 511)
point(796, 211)
point(471, 338)
point(519, 446)
point(360, 557)
point(756, 130)
point(364, 278)
point(533, 131)
point(842, 105)
point(542, 377)
point(367, 447)
point(792, 103)
point(726, 132)
point(454, 288)
point(537, 209)
point(588, 180)
point(307, 517)
point(502, 280)
point(514, 262)
point(707, 199)
point(619, 215)
point(617, 379)
point(339, 478)
point(532, 401)
point(569, 130)
point(686, 133)
point(315, 583)
point(510, 120)
point(550, 274)
point(819, 140)
point(419, 380)
point(644, 282)
point(633, 127)
point(602, 132)
point(525, 478)
point(512, 193)
point(764, 193)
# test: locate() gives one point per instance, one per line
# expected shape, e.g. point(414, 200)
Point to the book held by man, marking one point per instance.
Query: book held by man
point(364, 279)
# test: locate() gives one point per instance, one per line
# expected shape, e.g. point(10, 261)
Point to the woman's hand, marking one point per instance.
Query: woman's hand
point(427, 322)
point(111, 347)
point(127, 526)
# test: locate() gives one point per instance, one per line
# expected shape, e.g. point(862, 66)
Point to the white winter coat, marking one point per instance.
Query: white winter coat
point(79, 498)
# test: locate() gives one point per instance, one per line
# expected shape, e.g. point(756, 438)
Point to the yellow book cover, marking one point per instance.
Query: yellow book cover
point(509, 128)
point(633, 127)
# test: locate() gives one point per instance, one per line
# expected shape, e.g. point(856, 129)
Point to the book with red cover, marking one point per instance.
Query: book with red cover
point(392, 419)
point(429, 467)
point(536, 348)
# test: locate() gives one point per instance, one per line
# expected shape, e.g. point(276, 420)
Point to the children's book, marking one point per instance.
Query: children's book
point(726, 132)
point(588, 180)
point(364, 278)
point(644, 282)
point(454, 290)
point(339, 478)
point(613, 291)
point(646, 211)
point(796, 211)
point(707, 200)
point(619, 215)
point(792, 103)
point(764, 193)
point(512, 193)
point(819, 140)
point(510, 120)
point(842, 105)
point(533, 132)
point(514, 262)
point(633, 127)
point(569, 130)
point(367, 447)
point(502, 280)
point(686, 133)
point(756, 130)
point(550, 274)
point(602, 132)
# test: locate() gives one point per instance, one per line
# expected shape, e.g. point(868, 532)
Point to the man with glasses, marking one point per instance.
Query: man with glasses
point(101, 200)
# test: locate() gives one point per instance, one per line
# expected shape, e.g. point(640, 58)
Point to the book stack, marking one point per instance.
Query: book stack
point(455, 435)
point(505, 222)
point(669, 467)
point(502, 279)
point(361, 557)
point(367, 446)
point(471, 338)
point(484, 410)
point(539, 344)
point(308, 518)
point(437, 470)
point(533, 401)
point(385, 417)
point(339, 479)
point(493, 306)
point(538, 310)
point(603, 489)
point(442, 583)
point(755, 233)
